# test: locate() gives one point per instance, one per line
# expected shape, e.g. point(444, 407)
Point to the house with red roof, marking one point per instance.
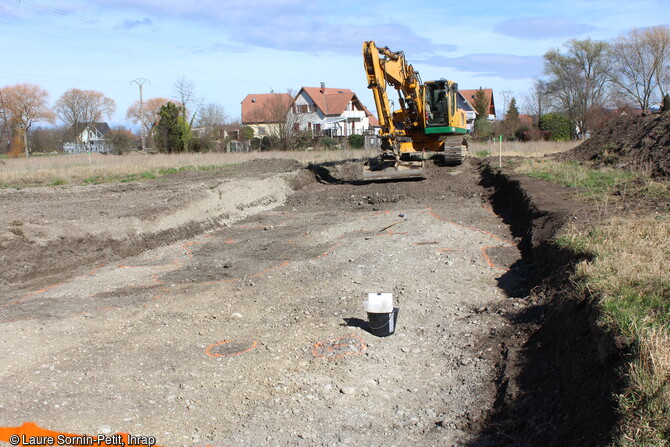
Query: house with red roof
point(265, 112)
point(336, 112)
point(469, 96)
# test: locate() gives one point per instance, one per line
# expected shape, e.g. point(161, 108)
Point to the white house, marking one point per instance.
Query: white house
point(336, 112)
point(91, 139)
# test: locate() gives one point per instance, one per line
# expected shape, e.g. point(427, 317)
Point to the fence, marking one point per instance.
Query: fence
point(76, 148)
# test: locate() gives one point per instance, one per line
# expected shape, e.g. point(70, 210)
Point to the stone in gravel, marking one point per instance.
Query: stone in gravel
point(348, 390)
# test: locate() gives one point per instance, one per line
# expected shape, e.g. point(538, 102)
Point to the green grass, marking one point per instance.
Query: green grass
point(625, 268)
point(575, 175)
point(627, 272)
point(482, 154)
point(57, 182)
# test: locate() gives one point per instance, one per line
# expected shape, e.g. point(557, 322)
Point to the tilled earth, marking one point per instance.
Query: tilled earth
point(253, 332)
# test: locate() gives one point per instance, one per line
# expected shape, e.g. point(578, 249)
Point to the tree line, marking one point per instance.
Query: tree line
point(168, 125)
point(584, 85)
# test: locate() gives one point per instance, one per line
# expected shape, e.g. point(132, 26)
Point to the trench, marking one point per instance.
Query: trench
point(557, 370)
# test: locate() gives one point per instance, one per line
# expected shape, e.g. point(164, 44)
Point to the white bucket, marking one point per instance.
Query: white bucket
point(379, 303)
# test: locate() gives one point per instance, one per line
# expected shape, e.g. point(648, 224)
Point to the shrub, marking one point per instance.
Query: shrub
point(328, 142)
point(356, 141)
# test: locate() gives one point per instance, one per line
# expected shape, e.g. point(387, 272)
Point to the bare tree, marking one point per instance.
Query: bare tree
point(148, 115)
point(537, 100)
point(283, 123)
point(23, 105)
point(640, 63)
point(76, 108)
point(188, 101)
point(506, 94)
point(579, 80)
point(210, 117)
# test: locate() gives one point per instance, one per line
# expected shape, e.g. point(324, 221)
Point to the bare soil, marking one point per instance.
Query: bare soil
point(226, 308)
point(637, 143)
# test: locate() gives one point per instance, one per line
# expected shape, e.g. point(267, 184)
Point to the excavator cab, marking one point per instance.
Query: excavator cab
point(440, 102)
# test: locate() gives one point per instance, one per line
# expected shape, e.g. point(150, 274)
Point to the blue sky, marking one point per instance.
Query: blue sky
point(229, 48)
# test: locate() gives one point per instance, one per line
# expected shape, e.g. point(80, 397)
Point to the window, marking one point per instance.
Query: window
point(261, 130)
point(303, 108)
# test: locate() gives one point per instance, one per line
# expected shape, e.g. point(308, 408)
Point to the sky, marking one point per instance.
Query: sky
point(231, 48)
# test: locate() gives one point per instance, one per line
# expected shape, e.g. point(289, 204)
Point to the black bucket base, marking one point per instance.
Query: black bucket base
point(383, 324)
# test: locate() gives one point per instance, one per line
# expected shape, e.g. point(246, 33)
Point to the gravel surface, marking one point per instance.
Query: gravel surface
point(252, 330)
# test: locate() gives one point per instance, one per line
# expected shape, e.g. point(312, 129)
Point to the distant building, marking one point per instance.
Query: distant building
point(92, 139)
point(264, 111)
point(334, 112)
point(469, 96)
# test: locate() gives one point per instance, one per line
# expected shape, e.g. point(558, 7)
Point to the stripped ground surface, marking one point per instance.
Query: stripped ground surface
point(254, 333)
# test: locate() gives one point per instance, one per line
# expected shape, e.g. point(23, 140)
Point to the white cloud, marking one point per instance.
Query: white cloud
point(289, 25)
point(130, 24)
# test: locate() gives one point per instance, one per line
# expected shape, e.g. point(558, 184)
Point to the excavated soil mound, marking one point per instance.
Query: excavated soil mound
point(629, 142)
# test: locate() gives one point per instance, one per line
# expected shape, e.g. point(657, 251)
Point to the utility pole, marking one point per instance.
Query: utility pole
point(140, 82)
point(325, 112)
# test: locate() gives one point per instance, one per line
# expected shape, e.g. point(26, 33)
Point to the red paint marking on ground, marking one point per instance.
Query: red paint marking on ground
point(490, 210)
point(489, 259)
point(389, 233)
point(505, 242)
point(331, 344)
point(209, 348)
point(267, 270)
point(11, 320)
point(329, 251)
point(11, 303)
point(95, 270)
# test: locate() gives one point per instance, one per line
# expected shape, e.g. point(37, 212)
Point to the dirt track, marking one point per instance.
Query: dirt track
point(251, 331)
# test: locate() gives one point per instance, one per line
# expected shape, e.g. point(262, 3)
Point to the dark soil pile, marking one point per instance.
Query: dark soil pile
point(629, 142)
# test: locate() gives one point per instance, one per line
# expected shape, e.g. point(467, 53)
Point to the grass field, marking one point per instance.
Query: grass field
point(96, 168)
point(520, 149)
point(60, 169)
point(628, 274)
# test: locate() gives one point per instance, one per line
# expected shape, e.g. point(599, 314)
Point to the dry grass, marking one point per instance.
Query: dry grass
point(629, 271)
point(96, 168)
point(520, 149)
point(646, 402)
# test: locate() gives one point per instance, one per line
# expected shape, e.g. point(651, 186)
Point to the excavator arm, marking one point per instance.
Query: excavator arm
point(385, 67)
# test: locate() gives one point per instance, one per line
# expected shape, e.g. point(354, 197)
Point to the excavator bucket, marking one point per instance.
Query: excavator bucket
point(394, 171)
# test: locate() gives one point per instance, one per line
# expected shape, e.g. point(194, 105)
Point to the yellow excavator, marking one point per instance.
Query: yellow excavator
point(428, 124)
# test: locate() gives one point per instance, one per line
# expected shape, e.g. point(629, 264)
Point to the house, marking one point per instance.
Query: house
point(470, 113)
point(335, 112)
point(469, 96)
point(93, 138)
point(265, 112)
